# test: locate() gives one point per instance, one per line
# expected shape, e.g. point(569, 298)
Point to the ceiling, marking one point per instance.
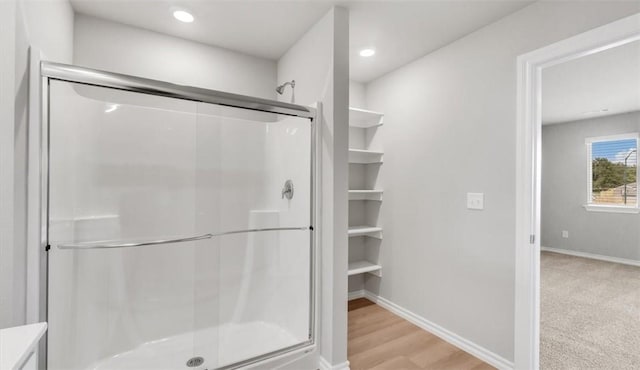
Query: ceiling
point(600, 84)
point(403, 31)
point(265, 29)
point(399, 31)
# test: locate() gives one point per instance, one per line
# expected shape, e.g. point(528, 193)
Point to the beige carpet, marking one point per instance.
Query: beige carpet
point(590, 314)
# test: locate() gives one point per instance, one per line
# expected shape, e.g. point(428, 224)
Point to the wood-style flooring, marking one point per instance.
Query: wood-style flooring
point(380, 340)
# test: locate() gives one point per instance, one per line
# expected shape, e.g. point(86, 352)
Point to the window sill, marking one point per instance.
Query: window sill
point(611, 209)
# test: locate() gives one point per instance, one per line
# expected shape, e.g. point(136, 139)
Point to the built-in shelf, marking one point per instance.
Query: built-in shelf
point(372, 231)
point(363, 118)
point(365, 156)
point(361, 267)
point(363, 124)
point(365, 194)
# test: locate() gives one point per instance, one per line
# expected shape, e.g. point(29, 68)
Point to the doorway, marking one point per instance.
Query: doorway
point(589, 216)
point(529, 171)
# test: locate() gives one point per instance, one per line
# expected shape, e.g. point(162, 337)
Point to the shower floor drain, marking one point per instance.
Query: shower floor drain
point(195, 361)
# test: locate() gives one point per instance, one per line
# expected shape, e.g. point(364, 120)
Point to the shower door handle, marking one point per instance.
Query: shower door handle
point(101, 245)
point(107, 245)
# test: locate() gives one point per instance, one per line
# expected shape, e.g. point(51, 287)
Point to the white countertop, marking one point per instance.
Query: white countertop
point(18, 342)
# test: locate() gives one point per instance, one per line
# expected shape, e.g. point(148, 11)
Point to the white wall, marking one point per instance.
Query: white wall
point(124, 49)
point(450, 128)
point(49, 26)
point(46, 26)
point(357, 96)
point(564, 191)
point(319, 62)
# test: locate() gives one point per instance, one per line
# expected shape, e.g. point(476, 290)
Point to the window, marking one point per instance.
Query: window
point(613, 165)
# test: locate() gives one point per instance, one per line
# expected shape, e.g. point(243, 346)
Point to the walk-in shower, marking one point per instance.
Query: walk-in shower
point(172, 242)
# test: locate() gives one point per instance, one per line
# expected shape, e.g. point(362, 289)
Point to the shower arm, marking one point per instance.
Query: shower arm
point(292, 83)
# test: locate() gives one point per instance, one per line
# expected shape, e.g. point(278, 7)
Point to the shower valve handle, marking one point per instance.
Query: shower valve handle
point(287, 190)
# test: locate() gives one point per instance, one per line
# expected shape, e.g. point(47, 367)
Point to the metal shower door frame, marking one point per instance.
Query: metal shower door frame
point(73, 74)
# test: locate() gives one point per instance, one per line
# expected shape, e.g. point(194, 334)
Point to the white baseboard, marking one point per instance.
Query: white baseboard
point(600, 257)
point(325, 365)
point(446, 335)
point(356, 294)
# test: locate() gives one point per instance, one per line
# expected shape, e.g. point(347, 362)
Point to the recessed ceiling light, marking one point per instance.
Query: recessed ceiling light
point(183, 16)
point(367, 52)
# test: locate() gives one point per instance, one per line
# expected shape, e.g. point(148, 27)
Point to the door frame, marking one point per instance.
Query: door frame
point(528, 167)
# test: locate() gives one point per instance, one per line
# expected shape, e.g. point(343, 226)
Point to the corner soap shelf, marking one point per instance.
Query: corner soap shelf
point(365, 119)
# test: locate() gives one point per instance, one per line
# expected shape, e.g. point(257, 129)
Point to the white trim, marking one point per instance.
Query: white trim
point(589, 172)
point(611, 209)
point(34, 311)
point(600, 257)
point(597, 139)
point(444, 334)
point(325, 365)
point(356, 294)
point(528, 151)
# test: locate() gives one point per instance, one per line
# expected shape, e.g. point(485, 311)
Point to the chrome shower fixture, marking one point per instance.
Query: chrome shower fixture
point(280, 89)
point(287, 190)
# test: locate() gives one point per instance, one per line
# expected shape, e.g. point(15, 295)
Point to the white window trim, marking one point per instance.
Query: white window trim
point(605, 207)
point(633, 135)
point(611, 209)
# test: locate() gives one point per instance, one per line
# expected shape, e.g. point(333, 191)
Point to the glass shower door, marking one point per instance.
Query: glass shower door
point(264, 255)
point(131, 172)
point(122, 170)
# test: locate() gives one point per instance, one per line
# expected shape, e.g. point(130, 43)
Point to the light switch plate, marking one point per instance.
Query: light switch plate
point(475, 201)
point(565, 234)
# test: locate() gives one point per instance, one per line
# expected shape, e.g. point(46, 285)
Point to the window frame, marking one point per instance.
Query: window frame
point(590, 206)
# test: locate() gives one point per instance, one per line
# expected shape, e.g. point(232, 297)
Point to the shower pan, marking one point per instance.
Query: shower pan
point(171, 240)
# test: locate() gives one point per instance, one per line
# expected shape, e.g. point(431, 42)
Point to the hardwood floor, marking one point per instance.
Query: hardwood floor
point(381, 340)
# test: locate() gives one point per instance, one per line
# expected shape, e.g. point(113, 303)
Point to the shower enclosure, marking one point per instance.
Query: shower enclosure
point(179, 224)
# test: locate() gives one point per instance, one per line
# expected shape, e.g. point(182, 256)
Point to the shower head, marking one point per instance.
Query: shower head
point(280, 89)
